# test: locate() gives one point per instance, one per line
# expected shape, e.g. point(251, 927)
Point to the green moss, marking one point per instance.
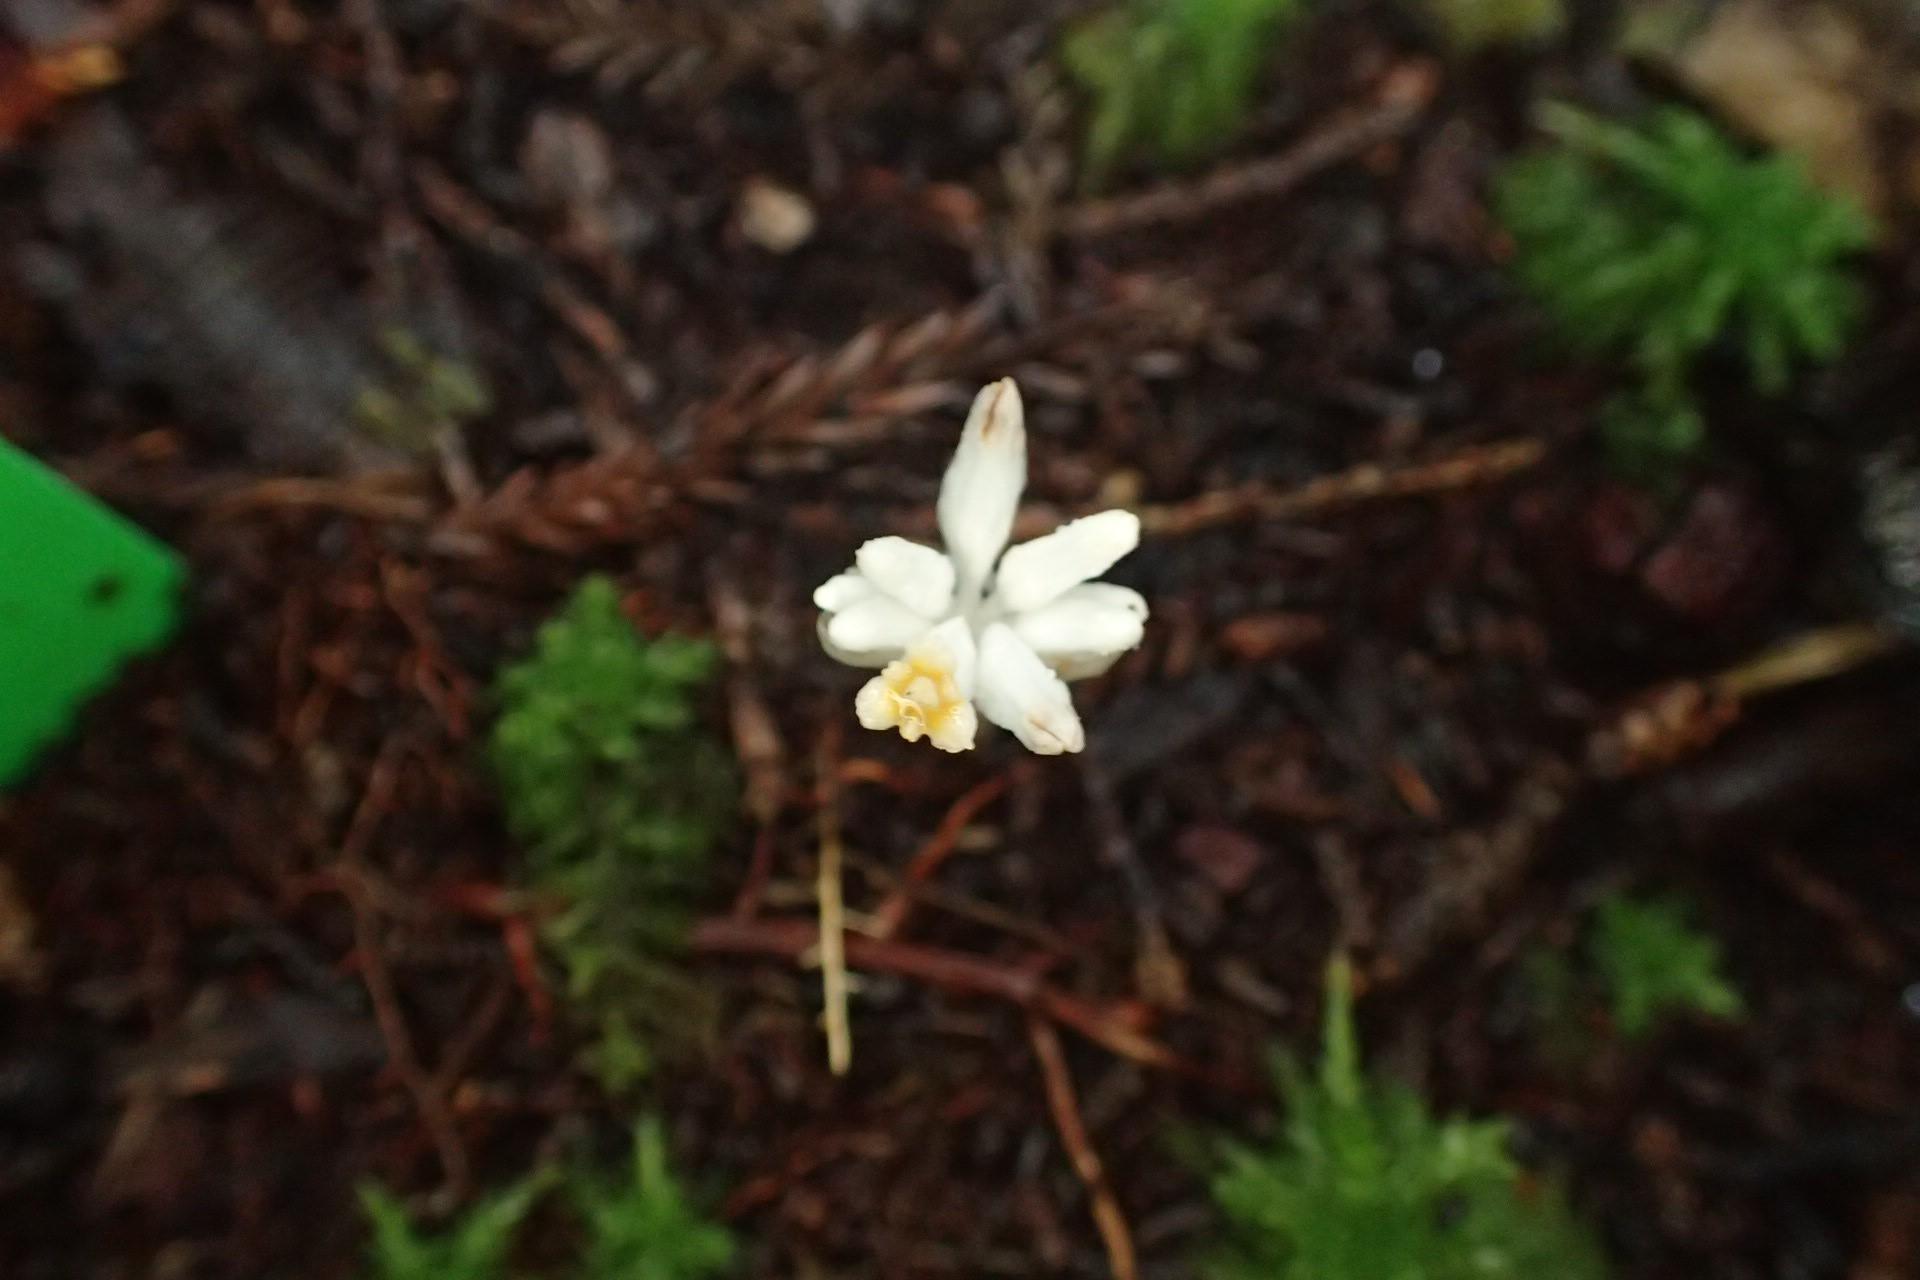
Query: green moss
point(1651, 432)
point(638, 1226)
point(617, 795)
point(1655, 241)
point(474, 1247)
point(642, 1226)
point(1367, 1184)
point(1170, 81)
point(1655, 965)
point(419, 394)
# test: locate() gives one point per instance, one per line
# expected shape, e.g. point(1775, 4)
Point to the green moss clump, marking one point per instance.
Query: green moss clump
point(1367, 1184)
point(617, 795)
point(1655, 964)
point(474, 1247)
point(1658, 240)
point(640, 1226)
point(1170, 81)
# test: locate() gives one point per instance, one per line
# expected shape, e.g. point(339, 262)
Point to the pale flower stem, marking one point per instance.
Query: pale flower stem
point(833, 944)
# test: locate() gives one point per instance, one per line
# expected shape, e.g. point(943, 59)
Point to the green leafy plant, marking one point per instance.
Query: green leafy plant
point(1367, 1184)
point(1651, 431)
point(419, 395)
point(474, 1248)
point(617, 795)
point(1170, 80)
point(641, 1226)
point(1657, 240)
point(1655, 964)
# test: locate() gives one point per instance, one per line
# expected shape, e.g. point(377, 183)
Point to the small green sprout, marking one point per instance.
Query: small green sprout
point(1471, 25)
point(420, 395)
point(1367, 1184)
point(1658, 240)
point(617, 795)
point(475, 1247)
point(1171, 80)
point(643, 1228)
point(638, 1227)
point(1656, 964)
point(1650, 432)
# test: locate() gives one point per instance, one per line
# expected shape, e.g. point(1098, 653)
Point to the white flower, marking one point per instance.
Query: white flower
point(949, 631)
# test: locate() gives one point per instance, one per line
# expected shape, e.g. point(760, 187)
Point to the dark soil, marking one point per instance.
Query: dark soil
point(265, 953)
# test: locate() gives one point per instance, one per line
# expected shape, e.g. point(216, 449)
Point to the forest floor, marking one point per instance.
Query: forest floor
point(1409, 689)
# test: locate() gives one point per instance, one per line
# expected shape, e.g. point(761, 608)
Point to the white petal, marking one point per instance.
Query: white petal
point(981, 490)
point(1082, 632)
point(873, 705)
point(1020, 694)
point(1035, 573)
point(842, 591)
point(948, 647)
point(924, 694)
point(1077, 666)
point(957, 730)
point(918, 577)
point(874, 625)
point(870, 658)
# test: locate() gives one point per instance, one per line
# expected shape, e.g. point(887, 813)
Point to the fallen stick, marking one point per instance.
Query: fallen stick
point(832, 933)
point(946, 837)
point(1107, 1217)
point(1109, 1027)
point(1477, 465)
point(1403, 99)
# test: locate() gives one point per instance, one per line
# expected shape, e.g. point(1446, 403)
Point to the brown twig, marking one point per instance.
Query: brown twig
point(893, 912)
point(1110, 1026)
point(885, 371)
point(465, 215)
point(1403, 99)
point(753, 885)
point(517, 915)
point(1819, 654)
point(1478, 465)
point(756, 736)
point(1476, 869)
point(1158, 969)
point(1665, 724)
point(1859, 938)
point(394, 498)
point(479, 1027)
point(436, 676)
point(402, 1056)
point(833, 923)
point(353, 883)
point(1107, 1217)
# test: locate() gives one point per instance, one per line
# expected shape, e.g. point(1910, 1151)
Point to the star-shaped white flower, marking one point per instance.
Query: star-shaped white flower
point(951, 630)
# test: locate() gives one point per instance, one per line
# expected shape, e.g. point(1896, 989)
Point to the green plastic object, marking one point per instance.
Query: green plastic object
point(81, 592)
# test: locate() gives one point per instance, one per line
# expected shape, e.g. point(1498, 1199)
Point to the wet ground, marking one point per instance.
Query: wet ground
point(1417, 684)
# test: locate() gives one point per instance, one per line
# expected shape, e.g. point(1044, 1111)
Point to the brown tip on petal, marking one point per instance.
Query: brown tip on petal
point(1045, 730)
point(993, 408)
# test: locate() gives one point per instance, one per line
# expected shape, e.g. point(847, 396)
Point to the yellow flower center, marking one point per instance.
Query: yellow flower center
point(918, 696)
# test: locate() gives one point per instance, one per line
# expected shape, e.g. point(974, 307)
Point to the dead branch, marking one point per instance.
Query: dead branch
point(833, 922)
point(892, 913)
point(1112, 1223)
point(1110, 1026)
point(1471, 467)
point(1403, 99)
